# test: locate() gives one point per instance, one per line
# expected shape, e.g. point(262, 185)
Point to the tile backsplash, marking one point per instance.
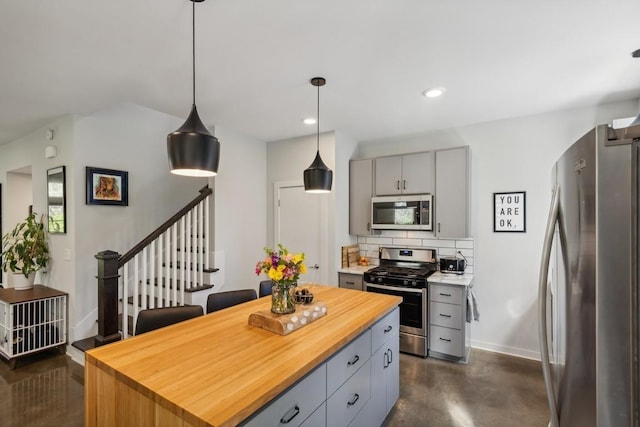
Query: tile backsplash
point(369, 245)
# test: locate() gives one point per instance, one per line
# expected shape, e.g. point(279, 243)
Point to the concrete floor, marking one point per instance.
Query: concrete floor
point(492, 390)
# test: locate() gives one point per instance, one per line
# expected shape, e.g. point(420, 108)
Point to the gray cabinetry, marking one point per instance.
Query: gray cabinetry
point(360, 192)
point(452, 193)
point(351, 281)
point(406, 174)
point(449, 336)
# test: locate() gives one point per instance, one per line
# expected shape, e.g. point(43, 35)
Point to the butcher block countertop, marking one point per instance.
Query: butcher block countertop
point(216, 370)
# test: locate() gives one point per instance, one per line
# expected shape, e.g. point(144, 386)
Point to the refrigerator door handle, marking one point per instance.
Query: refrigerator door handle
point(554, 216)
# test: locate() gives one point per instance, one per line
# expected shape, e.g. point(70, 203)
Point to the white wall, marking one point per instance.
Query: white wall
point(286, 162)
point(29, 150)
point(128, 138)
point(509, 155)
point(240, 209)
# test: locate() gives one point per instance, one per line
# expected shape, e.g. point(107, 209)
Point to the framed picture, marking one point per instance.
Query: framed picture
point(56, 200)
point(509, 212)
point(107, 187)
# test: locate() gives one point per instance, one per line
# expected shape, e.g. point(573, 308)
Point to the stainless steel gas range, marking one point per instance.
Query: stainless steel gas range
point(403, 272)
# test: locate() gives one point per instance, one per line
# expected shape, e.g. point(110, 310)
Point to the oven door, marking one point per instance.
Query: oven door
point(413, 309)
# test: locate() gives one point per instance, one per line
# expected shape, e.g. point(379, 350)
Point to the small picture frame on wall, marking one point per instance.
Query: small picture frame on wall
point(509, 212)
point(107, 187)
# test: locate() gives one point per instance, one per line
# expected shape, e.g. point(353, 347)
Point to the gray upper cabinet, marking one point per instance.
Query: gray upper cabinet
point(406, 174)
point(452, 193)
point(360, 192)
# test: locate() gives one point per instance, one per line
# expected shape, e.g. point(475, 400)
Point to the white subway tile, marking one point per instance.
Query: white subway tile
point(362, 239)
point(407, 242)
point(446, 252)
point(469, 260)
point(464, 244)
point(467, 252)
point(419, 234)
point(373, 248)
point(394, 233)
point(469, 269)
point(446, 243)
point(380, 240)
point(431, 243)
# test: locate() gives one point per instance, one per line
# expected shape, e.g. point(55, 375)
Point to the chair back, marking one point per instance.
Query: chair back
point(155, 318)
point(221, 300)
point(265, 288)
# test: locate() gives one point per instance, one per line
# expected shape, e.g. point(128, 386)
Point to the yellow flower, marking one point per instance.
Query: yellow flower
point(275, 274)
point(298, 258)
point(303, 269)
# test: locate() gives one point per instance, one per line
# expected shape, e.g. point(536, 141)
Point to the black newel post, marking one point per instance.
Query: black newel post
point(107, 298)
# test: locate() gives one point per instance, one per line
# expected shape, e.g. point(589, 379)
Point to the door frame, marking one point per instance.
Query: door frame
point(324, 229)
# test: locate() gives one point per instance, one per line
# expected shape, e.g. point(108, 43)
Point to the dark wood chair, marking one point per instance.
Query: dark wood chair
point(155, 318)
point(265, 288)
point(221, 300)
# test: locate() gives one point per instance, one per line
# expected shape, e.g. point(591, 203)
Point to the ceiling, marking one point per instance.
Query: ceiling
point(497, 59)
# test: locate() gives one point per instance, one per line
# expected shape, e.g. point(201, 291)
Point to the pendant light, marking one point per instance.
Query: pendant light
point(318, 177)
point(192, 150)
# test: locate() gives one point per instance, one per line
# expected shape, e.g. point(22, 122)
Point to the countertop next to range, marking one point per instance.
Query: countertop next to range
point(451, 279)
point(356, 269)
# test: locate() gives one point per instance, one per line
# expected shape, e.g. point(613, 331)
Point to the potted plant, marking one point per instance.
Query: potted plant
point(25, 251)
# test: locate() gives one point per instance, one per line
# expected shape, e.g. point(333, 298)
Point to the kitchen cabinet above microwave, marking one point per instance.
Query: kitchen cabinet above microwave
point(405, 174)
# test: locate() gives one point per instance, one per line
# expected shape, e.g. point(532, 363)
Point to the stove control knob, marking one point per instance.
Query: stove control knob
point(405, 282)
point(414, 283)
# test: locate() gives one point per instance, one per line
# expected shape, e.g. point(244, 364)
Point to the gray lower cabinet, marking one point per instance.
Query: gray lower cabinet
point(360, 192)
point(449, 336)
point(452, 198)
point(350, 281)
point(347, 389)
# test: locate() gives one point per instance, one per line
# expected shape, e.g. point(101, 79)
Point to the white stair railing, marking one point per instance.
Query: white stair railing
point(169, 262)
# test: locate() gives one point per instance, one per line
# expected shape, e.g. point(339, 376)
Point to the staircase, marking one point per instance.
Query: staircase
point(169, 267)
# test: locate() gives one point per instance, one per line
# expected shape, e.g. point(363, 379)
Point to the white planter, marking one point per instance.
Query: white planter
point(21, 283)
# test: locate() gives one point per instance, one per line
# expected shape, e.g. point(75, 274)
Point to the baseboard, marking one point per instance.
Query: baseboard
point(511, 351)
point(75, 354)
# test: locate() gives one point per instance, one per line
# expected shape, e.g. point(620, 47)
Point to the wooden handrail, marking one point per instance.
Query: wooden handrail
point(204, 193)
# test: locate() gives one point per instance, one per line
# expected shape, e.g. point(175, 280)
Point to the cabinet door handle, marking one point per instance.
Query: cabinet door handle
point(388, 329)
point(368, 226)
point(353, 361)
point(385, 360)
point(444, 339)
point(404, 184)
point(438, 227)
point(398, 185)
point(445, 315)
point(445, 295)
point(354, 400)
point(295, 410)
point(390, 356)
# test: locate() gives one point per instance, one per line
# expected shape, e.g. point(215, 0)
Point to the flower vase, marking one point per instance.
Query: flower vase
point(282, 301)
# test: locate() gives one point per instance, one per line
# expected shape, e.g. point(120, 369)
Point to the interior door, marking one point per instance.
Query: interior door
point(298, 226)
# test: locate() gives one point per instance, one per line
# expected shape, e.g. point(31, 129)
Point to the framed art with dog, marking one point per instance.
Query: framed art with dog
point(107, 187)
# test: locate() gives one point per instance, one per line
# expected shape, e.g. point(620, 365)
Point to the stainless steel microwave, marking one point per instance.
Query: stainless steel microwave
point(402, 212)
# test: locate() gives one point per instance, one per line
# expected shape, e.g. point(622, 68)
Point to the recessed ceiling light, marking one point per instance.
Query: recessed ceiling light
point(309, 121)
point(434, 92)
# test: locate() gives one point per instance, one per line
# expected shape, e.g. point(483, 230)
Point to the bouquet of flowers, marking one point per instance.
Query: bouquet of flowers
point(282, 266)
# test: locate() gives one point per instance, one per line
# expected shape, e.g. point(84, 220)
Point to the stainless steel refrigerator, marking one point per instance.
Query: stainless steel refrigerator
point(588, 288)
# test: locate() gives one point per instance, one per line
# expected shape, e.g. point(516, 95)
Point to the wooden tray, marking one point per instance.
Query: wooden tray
point(284, 324)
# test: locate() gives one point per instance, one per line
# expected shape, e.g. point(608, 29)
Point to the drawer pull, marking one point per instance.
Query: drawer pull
point(390, 356)
point(388, 329)
point(445, 295)
point(354, 400)
point(350, 283)
point(353, 361)
point(445, 315)
point(444, 339)
point(295, 410)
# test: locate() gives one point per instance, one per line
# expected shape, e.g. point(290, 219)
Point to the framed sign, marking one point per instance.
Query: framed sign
point(509, 212)
point(107, 187)
point(56, 201)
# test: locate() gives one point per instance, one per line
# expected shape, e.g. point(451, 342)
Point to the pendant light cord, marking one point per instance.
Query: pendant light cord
point(193, 53)
point(318, 123)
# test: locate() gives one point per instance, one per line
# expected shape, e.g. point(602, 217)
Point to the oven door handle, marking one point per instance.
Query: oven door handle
point(395, 288)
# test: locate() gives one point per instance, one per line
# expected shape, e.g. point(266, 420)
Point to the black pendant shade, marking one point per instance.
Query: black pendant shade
point(318, 177)
point(192, 150)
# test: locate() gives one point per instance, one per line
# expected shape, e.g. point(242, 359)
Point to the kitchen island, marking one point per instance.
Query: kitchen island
point(216, 370)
